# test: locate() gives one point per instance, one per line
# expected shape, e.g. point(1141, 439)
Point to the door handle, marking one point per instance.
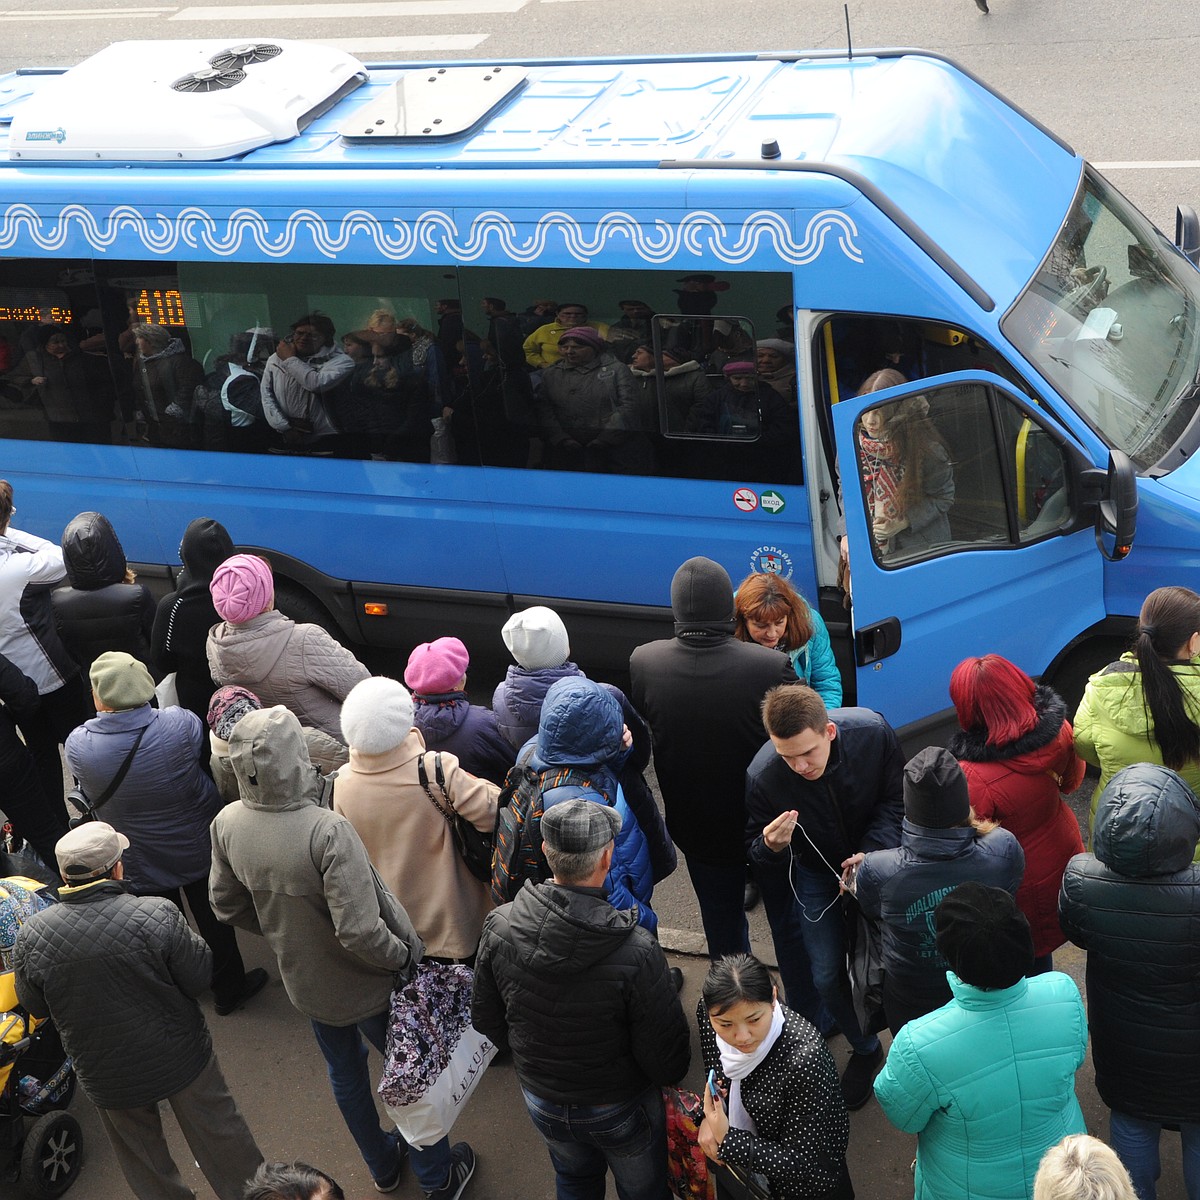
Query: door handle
point(877, 641)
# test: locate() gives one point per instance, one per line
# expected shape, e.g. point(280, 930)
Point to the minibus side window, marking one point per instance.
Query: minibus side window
point(406, 364)
point(957, 468)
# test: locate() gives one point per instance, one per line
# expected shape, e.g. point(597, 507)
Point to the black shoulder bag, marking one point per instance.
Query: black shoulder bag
point(474, 846)
point(79, 799)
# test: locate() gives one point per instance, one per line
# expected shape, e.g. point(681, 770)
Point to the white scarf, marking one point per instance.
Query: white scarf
point(736, 1065)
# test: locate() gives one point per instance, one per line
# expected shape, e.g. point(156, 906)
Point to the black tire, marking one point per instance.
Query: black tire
point(1071, 675)
point(52, 1156)
point(304, 610)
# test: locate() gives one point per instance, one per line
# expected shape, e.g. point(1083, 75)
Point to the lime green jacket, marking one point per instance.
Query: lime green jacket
point(1112, 726)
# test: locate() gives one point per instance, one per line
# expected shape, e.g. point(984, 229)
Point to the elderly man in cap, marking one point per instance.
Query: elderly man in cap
point(139, 767)
point(582, 996)
point(589, 411)
point(119, 975)
point(987, 1081)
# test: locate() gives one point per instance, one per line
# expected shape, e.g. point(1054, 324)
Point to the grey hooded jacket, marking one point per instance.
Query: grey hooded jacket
point(298, 874)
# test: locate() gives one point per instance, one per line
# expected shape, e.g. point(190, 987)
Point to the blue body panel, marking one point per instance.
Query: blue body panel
point(567, 174)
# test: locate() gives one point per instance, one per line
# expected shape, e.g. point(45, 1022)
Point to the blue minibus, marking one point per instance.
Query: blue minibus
point(321, 302)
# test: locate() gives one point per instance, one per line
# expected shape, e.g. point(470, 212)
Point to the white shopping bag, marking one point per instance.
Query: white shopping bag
point(431, 1117)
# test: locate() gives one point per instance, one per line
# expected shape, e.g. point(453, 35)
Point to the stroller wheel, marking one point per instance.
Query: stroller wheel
point(52, 1155)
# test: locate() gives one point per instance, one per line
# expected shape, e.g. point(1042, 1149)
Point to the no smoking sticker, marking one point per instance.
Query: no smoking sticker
point(745, 499)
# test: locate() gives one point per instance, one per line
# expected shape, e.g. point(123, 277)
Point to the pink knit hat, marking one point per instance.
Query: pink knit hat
point(242, 587)
point(435, 668)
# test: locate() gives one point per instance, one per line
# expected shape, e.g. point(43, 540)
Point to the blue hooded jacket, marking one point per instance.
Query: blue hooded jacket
point(580, 727)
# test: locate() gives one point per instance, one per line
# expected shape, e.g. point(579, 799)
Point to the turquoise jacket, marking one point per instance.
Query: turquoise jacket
point(815, 665)
point(987, 1082)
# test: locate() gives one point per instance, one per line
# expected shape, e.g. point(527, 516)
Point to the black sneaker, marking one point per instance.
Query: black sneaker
point(982, 5)
point(676, 978)
point(751, 896)
point(390, 1182)
point(462, 1167)
point(858, 1076)
point(254, 983)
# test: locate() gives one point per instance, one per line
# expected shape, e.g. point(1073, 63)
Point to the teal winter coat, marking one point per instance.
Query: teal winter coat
point(815, 665)
point(987, 1082)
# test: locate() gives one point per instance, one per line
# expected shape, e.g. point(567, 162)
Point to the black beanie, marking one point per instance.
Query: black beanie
point(935, 789)
point(983, 936)
point(206, 545)
point(702, 595)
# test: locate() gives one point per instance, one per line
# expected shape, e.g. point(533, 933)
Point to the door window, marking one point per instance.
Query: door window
point(957, 468)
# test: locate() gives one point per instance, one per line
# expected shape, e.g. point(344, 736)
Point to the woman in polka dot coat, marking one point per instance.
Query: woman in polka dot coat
point(782, 1116)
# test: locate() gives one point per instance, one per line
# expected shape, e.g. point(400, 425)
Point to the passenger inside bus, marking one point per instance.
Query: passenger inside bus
point(907, 476)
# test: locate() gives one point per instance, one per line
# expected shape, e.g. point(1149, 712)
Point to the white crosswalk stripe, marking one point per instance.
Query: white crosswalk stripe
point(172, 20)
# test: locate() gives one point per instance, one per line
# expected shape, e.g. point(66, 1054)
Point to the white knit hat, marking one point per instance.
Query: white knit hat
point(537, 638)
point(377, 715)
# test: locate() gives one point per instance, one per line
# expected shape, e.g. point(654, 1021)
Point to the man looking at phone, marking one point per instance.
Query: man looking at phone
point(826, 787)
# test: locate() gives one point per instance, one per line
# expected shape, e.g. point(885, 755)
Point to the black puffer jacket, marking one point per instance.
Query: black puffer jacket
point(582, 995)
point(795, 1101)
point(180, 636)
point(1134, 906)
point(701, 693)
point(100, 611)
point(120, 975)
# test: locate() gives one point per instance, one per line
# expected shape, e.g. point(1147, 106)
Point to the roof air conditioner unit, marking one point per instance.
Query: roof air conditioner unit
point(197, 101)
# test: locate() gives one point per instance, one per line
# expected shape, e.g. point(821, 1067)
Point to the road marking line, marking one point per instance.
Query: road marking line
point(91, 15)
point(376, 45)
point(35, 14)
point(289, 14)
point(1185, 164)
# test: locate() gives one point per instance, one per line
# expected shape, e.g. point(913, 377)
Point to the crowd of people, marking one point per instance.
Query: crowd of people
point(250, 771)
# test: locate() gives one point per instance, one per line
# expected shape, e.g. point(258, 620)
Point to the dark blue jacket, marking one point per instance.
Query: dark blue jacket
point(581, 727)
point(468, 731)
point(517, 701)
point(902, 887)
point(857, 804)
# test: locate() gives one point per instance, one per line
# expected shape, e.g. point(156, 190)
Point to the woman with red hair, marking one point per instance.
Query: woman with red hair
point(1017, 751)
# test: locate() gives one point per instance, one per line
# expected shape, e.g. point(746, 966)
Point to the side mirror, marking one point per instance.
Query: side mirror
point(1187, 233)
point(1116, 514)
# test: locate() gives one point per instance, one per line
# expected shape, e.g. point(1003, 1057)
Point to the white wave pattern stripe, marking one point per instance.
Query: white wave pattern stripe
point(701, 235)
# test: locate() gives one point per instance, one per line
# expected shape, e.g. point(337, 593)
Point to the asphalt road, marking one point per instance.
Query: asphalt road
point(1116, 80)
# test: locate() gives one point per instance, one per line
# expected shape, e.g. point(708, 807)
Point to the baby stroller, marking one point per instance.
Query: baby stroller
point(41, 1145)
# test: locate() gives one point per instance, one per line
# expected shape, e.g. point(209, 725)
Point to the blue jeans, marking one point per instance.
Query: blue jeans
point(345, 1054)
point(630, 1139)
point(721, 894)
point(811, 948)
point(1136, 1144)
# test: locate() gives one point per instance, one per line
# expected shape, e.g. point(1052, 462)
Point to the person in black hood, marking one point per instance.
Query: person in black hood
point(103, 609)
point(700, 693)
point(184, 618)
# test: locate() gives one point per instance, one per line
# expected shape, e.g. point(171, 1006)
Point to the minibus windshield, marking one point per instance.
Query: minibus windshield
point(1112, 320)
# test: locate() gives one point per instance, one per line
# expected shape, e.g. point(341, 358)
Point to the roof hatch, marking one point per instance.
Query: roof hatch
point(197, 101)
point(435, 103)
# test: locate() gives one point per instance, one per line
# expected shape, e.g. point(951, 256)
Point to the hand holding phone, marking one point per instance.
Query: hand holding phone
point(712, 1084)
